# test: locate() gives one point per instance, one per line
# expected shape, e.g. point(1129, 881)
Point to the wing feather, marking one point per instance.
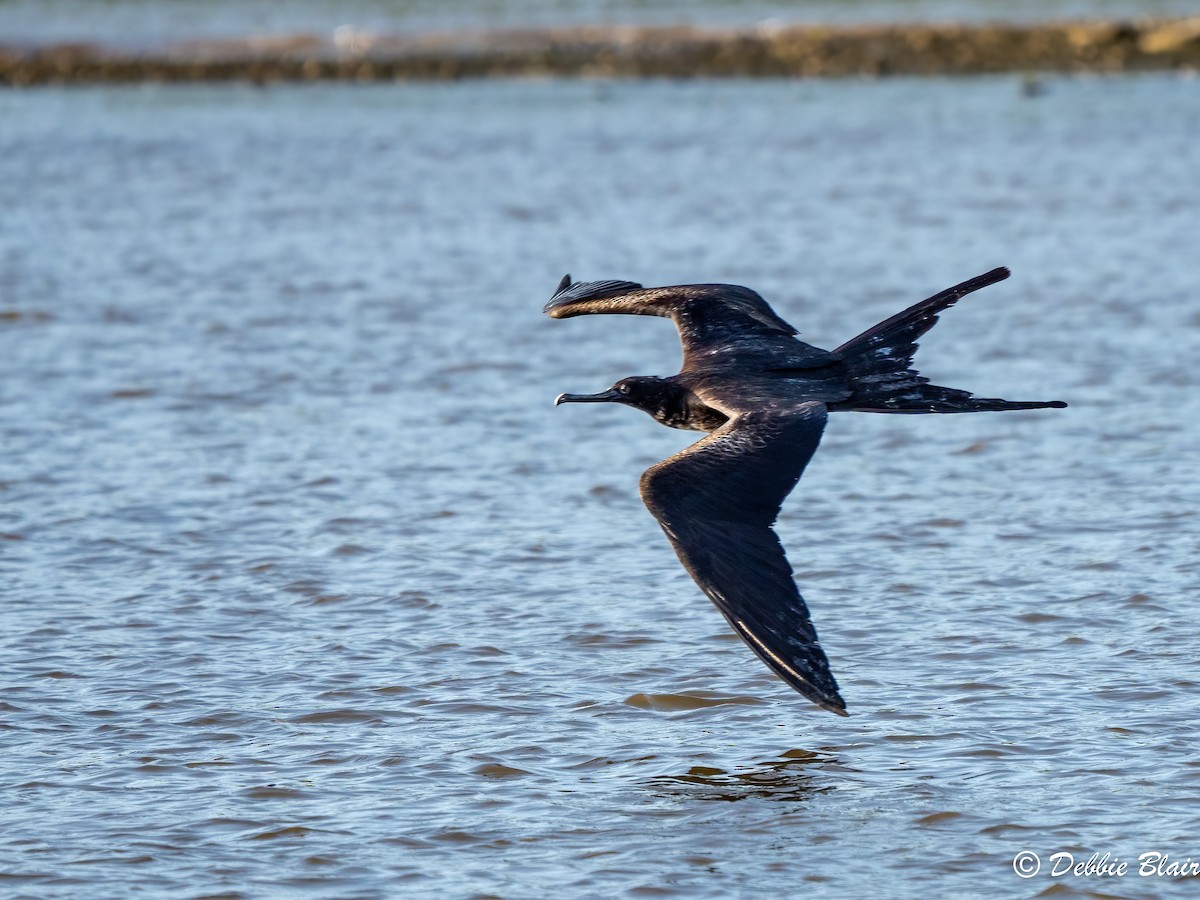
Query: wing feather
point(717, 501)
point(719, 324)
point(897, 337)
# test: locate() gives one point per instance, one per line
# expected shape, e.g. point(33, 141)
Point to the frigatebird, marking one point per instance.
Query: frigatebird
point(762, 396)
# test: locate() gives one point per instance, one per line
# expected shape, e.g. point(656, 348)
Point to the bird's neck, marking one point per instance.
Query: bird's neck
point(680, 408)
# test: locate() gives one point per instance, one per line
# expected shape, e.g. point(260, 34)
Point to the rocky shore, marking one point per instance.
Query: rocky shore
point(678, 52)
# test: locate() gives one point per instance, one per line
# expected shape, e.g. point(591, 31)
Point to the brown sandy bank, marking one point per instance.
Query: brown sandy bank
point(678, 52)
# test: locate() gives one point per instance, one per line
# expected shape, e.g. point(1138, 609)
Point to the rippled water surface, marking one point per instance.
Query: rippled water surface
point(308, 590)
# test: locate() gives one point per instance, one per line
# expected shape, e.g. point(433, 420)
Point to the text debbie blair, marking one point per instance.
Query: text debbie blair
point(1150, 864)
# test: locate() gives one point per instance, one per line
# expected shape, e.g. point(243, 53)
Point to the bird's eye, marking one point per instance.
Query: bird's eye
point(622, 387)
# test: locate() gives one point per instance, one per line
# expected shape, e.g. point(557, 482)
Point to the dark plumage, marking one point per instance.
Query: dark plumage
point(763, 397)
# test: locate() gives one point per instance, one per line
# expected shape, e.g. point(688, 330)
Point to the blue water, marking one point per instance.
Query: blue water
point(308, 590)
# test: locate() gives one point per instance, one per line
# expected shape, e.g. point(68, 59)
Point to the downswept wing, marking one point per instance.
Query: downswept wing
point(716, 501)
point(718, 323)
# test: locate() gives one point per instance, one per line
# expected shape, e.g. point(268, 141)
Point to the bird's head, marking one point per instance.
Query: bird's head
point(643, 392)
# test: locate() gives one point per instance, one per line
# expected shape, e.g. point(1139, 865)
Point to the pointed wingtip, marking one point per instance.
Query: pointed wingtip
point(834, 704)
point(990, 277)
point(570, 299)
point(563, 284)
point(827, 698)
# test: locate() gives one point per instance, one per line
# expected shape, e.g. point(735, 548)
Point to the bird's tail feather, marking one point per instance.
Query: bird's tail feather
point(880, 363)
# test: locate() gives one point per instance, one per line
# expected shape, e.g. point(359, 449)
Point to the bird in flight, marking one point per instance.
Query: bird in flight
point(762, 396)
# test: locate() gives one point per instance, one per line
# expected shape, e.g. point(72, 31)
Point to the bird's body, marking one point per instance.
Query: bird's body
point(762, 396)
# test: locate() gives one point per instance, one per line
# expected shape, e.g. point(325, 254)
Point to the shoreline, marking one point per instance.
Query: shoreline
point(805, 51)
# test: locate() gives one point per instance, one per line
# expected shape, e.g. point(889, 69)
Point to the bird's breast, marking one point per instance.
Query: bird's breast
point(688, 412)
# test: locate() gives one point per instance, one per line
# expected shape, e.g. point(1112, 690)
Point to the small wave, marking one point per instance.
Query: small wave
point(680, 702)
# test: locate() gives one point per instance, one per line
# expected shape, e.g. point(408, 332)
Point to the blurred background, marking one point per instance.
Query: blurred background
point(139, 22)
point(308, 590)
point(154, 20)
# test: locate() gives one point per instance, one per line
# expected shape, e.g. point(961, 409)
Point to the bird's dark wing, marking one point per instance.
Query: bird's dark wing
point(896, 338)
point(719, 324)
point(717, 501)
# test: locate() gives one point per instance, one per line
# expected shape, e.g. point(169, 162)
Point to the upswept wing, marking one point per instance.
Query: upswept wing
point(896, 338)
point(716, 501)
point(719, 324)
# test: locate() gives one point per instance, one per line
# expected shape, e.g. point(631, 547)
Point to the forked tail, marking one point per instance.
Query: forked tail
point(880, 363)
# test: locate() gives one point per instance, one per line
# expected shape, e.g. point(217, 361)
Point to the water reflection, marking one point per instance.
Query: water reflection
point(792, 779)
